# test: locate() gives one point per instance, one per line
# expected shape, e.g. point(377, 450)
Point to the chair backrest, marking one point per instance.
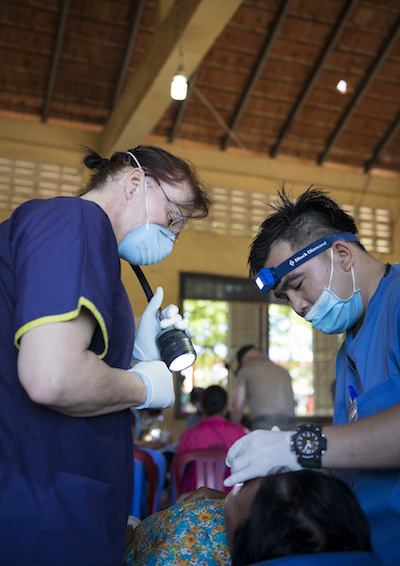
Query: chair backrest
point(326, 559)
point(150, 481)
point(210, 468)
point(161, 463)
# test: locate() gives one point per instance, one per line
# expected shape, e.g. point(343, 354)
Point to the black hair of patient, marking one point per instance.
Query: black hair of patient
point(303, 512)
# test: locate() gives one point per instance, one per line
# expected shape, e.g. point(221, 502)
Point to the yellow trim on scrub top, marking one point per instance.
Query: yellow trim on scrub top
point(83, 302)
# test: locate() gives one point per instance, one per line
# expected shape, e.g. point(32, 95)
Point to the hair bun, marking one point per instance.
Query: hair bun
point(94, 161)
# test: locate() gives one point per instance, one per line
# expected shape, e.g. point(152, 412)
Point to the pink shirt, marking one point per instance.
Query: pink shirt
point(211, 432)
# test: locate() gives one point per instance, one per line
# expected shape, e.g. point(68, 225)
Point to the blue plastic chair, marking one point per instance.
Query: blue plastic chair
point(326, 559)
point(139, 487)
point(161, 462)
point(149, 474)
point(145, 484)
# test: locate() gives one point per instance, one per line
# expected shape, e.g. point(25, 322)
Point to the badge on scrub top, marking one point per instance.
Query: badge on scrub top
point(353, 412)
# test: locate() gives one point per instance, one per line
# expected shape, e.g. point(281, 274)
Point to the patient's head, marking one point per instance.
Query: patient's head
point(291, 513)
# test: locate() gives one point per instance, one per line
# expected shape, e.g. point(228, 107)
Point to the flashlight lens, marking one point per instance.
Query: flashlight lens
point(182, 362)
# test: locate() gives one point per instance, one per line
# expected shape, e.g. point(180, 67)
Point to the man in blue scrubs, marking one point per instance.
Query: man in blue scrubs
point(308, 254)
point(67, 334)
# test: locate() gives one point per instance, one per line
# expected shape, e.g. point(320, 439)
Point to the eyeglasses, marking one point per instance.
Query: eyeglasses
point(176, 221)
point(270, 277)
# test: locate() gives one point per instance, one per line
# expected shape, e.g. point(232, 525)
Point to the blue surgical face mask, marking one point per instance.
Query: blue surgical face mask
point(149, 243)
point(333, 315)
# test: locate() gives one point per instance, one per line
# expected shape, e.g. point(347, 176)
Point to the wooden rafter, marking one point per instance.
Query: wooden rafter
point(369, 77)
point(392, 131)
point(309, 84)
point(137, 16)
point(55, 59)
point(262, 58)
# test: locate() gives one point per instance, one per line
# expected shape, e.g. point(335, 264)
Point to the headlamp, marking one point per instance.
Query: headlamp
point(176, 348)
point(270, 277)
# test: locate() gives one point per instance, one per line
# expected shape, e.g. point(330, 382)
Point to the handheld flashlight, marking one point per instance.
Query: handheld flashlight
point(176, 348)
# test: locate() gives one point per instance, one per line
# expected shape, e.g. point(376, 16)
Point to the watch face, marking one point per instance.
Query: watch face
point(307, 442)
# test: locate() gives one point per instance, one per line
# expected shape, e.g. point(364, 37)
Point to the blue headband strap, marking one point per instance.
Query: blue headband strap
point(269, 277)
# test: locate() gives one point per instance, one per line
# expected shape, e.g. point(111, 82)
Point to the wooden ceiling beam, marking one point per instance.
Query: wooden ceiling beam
point(190, 28)
point(392, 131)
point(309, 84)
point(262, 58)
point(163, 9)
point(55, 59)
point(369, 77)
point(137, 16)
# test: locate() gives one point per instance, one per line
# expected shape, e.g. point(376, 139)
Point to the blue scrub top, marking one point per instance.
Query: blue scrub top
point(370, 363)
point(65, 483)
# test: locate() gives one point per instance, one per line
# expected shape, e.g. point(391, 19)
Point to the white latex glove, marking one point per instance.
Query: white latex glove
point(255, 454)
point(158, 382)
point(171, 317)
point(150, 325)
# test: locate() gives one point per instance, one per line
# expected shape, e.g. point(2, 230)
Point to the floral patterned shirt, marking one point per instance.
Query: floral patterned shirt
point(191, 533)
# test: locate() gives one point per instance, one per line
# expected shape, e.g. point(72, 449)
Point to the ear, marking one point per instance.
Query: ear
point(345, 252)
point(132, 182)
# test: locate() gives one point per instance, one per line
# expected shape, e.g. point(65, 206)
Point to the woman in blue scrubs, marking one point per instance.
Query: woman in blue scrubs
point(66, 339)
point(307, 252)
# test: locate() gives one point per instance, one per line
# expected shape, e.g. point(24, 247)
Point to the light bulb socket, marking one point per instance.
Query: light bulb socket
point(176, 349)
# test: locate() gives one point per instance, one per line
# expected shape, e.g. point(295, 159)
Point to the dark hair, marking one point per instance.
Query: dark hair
point(302, 512)
point(214, 400)
point(311, 217)
point(196, 394)
point(242, 351)
point(156, 163)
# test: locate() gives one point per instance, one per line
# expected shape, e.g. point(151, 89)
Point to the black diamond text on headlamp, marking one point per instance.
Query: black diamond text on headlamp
point(270, 277)
point(176, 348)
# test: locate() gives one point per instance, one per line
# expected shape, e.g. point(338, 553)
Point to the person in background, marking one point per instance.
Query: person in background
point(307, 251)
point(193, 418)
point(284, 514)
point(67, 335)
point(267, 387)
point(213, 431)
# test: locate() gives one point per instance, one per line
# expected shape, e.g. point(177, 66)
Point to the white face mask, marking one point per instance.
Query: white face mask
point(332, 315)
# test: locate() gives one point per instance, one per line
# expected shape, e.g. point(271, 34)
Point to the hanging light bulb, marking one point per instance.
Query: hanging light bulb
point(342, 86)
point(179, 85)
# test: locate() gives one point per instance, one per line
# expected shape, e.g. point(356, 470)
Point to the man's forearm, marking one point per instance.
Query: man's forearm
point(372, 442)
